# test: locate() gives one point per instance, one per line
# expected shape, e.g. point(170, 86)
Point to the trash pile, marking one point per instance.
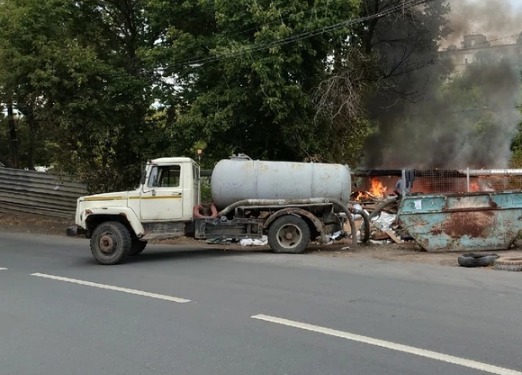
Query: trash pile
point(384, 227)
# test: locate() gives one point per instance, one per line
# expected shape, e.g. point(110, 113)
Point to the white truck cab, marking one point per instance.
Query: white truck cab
point(169, 189)
point(161, 207)
point(169, 192)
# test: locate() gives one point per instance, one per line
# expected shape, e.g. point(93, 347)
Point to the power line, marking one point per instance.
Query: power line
point(282, 18)
point(407, 4)
point(305, 35)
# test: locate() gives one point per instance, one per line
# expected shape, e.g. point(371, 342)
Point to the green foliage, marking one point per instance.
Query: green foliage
point(74, 68)
point(250, 93)
point(206, 192)
point(104, 85)
point(30, 146)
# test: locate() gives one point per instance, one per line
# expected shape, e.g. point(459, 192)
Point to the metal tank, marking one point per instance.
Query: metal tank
point(242, 178)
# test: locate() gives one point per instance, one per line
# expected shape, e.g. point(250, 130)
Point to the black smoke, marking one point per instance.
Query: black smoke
point(441, 115)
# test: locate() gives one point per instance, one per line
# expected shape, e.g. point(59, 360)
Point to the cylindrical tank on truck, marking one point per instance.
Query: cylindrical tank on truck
point(240, 178)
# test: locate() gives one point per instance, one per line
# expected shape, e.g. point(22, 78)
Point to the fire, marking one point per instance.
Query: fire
point(359, 195)
point(377, 189)
point(474, 186)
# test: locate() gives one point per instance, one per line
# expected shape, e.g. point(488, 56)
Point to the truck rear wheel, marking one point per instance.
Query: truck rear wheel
point(110, 242)
point(289, 234)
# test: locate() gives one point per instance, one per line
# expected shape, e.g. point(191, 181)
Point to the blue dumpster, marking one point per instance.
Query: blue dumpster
point(463, 221)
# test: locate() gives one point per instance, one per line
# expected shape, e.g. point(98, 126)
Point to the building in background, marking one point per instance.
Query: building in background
point(477, 46)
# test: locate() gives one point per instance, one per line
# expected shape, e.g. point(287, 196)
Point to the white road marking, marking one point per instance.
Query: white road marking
point(391, 345)
point(111, 287)
point(2, 269)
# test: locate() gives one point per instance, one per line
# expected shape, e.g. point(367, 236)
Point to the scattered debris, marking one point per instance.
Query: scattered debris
point(254, 242)
point(384, 221)
point(382, 212)
point(392, 235)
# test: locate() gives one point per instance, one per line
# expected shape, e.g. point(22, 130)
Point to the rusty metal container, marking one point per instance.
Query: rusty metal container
point(239, 178)
point(463, 221)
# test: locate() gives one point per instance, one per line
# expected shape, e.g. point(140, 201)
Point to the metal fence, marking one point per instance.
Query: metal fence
point(441, 181)
point(39, 193)
point(468, 180)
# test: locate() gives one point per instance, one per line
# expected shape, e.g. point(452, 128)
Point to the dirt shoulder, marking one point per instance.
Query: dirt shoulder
point(27, 223)
point(404, 252)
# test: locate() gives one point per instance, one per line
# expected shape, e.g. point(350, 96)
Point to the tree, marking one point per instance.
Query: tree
point(244, 82)
point(75, 70)
point(16, 69)
point(105, 84)
point(391, 63)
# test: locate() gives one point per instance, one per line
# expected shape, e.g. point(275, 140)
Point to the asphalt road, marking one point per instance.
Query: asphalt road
point(176, 310)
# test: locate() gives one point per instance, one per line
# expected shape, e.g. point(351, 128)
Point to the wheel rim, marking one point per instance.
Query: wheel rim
point(289, 236)
point(107, 244)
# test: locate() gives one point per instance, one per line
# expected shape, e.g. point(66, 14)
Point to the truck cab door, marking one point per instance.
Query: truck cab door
point(162, 194)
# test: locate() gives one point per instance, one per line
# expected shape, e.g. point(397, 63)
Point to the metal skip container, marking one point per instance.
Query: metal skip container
point(463, 221)
point(239, 178)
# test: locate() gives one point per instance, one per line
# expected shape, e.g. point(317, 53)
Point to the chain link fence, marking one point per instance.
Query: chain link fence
point(437, 181)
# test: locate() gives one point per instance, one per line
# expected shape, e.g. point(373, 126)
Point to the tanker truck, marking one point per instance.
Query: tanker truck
point(289, 202)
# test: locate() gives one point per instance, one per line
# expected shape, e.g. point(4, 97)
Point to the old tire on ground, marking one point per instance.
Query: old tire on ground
point(137, 246)
point(289, 234)
point(110, 242)
point(508, 264)
point(477, 260)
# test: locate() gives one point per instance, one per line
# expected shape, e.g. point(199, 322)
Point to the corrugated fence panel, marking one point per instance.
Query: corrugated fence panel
point(38, 193)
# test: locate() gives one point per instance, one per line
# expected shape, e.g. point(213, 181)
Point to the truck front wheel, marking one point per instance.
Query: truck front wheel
point(289, 234)
point(110, 242)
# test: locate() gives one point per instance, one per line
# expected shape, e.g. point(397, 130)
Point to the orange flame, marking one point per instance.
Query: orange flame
point(377, 189)
point(474, 186)
point(359, 196)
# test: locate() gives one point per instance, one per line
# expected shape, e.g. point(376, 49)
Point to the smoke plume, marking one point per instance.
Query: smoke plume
point(465, 111)
point(500, 20)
